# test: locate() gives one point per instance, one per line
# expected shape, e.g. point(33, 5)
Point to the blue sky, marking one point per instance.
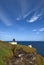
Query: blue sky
point(22, 20)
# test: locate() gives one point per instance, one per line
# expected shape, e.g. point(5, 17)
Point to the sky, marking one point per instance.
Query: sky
point(22, 20)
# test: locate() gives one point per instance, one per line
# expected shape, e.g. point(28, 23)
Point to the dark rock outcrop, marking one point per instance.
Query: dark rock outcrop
point(22, 58)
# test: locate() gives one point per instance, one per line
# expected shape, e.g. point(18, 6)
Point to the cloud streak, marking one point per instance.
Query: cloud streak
point(35, 9)
point(37, 31)
point(34, 30)
point(34, 18)
point(41, 30)
point(25, 13)
point(5, 19)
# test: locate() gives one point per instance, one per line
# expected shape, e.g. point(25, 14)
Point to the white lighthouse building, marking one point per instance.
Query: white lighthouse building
point(13, 42)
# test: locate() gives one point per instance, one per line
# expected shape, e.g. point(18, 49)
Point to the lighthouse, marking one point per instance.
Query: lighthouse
point(14, 42)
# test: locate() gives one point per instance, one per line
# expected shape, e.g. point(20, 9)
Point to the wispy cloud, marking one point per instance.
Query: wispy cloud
point(5, 19)
point(37, 31)
point(35, 9)
point(34, 30)
point(41, 30)
point(18, 18)
point(29, 13)
point(34, 18)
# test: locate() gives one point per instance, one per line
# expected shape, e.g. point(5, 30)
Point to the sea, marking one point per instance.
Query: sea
point(39, 45)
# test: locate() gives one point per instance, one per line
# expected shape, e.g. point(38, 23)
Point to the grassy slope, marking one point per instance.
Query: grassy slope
point(5, 51)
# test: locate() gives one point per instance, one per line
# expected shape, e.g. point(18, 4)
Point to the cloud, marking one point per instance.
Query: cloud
point(34, 9)
point(29, 13)
point(5, 19)
point(34, 30)
point(24, 6)
point(18, 18)
point(25, 9)
point(41, 30)
point(34, 18)
point(37, 31)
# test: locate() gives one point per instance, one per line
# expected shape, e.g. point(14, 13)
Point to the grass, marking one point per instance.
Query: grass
point(25, 48)
point(40, 60)
point(6, 51)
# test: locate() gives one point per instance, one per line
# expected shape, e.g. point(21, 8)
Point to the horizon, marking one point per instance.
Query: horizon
point(20, 41)
point(22, 20)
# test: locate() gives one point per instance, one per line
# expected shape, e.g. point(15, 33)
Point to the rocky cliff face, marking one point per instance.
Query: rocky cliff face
point(22, 57)
point(19, 55)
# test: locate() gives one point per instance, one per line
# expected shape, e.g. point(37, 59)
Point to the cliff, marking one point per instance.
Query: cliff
point(19, 55)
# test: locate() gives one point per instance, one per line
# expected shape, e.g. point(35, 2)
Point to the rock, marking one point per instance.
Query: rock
point(22, 57)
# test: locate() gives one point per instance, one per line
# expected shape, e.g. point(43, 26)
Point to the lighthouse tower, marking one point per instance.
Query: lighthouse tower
point(14, 42)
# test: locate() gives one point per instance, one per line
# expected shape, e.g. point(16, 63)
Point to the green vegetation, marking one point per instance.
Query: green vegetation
point(40, 60)
point(25, 48)
point(6, 51)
